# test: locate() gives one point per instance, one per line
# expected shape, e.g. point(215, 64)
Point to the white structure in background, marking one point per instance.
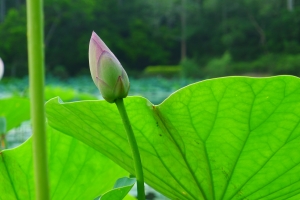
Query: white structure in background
point(1, 68)
point(290, 5)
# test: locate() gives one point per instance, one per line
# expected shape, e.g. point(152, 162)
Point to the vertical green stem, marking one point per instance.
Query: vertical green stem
point(134, 148)
point(36, 87)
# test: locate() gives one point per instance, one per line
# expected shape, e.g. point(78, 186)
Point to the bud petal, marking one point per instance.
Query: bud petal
point(107, 72)
point(120, 89)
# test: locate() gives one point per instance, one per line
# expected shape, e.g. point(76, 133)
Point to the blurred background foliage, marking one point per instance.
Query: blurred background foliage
point(201, 38)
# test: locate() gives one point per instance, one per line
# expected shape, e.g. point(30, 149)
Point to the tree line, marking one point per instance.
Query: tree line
point(205, 36)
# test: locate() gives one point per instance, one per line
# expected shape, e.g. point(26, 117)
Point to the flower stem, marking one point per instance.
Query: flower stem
point(134, 148)
point(36, 87)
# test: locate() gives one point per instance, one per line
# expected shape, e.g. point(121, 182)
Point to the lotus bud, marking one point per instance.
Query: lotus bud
point(107, 72)
point(1, 68)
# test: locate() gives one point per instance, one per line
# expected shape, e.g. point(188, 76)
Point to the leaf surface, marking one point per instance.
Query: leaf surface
point(226, 138)
point(15, 110)
point(76, 171)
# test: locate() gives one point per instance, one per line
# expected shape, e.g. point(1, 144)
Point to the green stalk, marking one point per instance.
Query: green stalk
point(134, 148)
point(36, 87)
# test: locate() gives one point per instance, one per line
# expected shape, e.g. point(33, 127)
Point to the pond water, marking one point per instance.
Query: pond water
point(156, 89)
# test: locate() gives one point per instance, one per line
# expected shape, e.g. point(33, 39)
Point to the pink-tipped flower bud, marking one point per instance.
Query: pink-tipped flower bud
point(107, 72)
point(1, 68)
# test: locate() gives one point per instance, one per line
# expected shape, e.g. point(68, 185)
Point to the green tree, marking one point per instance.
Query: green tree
point(13, 42)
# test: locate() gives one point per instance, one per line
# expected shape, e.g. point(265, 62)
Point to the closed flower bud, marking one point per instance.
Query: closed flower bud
point(1, 68)
point(107, 72)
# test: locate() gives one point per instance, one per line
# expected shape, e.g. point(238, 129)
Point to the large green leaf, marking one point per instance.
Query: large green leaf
point(226, 138)
point(15, 110)
point(76, 170)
